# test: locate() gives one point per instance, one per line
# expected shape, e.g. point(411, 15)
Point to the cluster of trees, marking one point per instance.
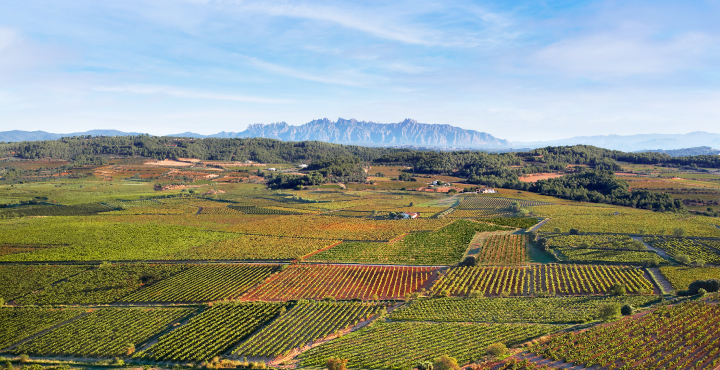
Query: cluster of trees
point(601, 186)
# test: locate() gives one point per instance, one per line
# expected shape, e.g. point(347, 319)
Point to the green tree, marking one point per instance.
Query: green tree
point(336, 363)
point(609, 311)
point(684, 259)
point(446, 362)
point(627, 310)
point(617, 290)
point(497, 349)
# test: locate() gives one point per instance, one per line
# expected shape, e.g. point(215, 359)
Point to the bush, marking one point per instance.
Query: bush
point(469, 261)
point(710, 285)
point(557, 230)
point(627, 310)
point(336, 363)
point(476, 294)
point(679, 232)
point(683, 258)
point(609, 311)
point(497, 349)
point(700, 263)
point(445, 362)
point(617, 290)
point(574, 231)
point(427, 365)
point(701, 292)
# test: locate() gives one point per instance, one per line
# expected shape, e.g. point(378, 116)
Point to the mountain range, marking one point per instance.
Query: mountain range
point(411, 133)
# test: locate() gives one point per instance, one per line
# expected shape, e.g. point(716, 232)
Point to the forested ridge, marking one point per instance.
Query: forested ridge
point(591, 180)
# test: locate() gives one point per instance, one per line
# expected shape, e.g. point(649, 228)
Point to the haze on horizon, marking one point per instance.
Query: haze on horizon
point(519, 70)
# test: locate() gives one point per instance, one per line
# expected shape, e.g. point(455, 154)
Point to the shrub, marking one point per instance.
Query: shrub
point(427, 365)
point(710, 285)
point(700, 263)
point(336, 363)
point(476, 294)
point(574, 231)
point(679, 232)
point(497, 349)
point(469, 261)
point(683, 258)
point(627, 310)
point(557, 230)
point(445, 362)
point(609, 311)
point(701, 292)
point(617, 290)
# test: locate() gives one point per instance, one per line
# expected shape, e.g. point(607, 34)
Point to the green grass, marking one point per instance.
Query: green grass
point(17, 323)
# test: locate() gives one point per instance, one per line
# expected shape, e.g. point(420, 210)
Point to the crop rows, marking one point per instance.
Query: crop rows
point(401, 345)
point(303, 325)
point(503, 249)
point(605, 255)
point(594, 241)
point(105, 284)
point(341, 282)
point(331, 228)
point(212, 332)
point(18, 280)
point(255, 247)
point(514, 309)
point(681, 277)
point(444, 246)
point(536, 279)
point(678, 246)
point(104, 333)
point(219, 211)
point(482, 202)
point(672, 337)
point(21, 322)
point(518, 222)
point(204, 283)
point(252, 210)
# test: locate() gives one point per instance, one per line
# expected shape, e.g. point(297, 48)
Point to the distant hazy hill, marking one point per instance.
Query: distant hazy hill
point(342, 131)
point(629, 143)
point(701, 150)
point(17, 135)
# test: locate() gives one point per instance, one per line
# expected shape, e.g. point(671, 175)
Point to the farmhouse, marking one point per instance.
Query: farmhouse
point(488, 191)
point(410, 215)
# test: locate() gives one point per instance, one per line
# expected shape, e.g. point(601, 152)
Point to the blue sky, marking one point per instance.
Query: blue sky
point(517, 70)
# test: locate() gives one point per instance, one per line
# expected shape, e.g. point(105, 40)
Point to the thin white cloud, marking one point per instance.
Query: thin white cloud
point(294, 73)
point(624, 53)
point(185, 93)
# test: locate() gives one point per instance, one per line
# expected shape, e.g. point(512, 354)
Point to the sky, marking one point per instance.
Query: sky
point(519, 70)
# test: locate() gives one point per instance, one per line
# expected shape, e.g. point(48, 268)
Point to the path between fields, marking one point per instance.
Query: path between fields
point(660, 252)
point(661, 279)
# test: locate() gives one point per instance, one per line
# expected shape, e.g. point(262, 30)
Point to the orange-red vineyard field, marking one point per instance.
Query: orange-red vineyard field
point(342, 282)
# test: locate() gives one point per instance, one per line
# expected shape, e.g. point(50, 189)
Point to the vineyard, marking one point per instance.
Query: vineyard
point(212, 332)
point(594, 241)
point(203, 283)
point(19, 323)
point(341, 282)
point(105, 284)
point(254, 247)
point(696, 250)
point(602, 255)
point(503, 249)
point(404, 345)
point(678, 337)
point(304, 324)
point(106, 332)
point(192, 263)
point(521, 309)
point(441, 247)
point(681, 277)
point(18, 280)
point(537, 279)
